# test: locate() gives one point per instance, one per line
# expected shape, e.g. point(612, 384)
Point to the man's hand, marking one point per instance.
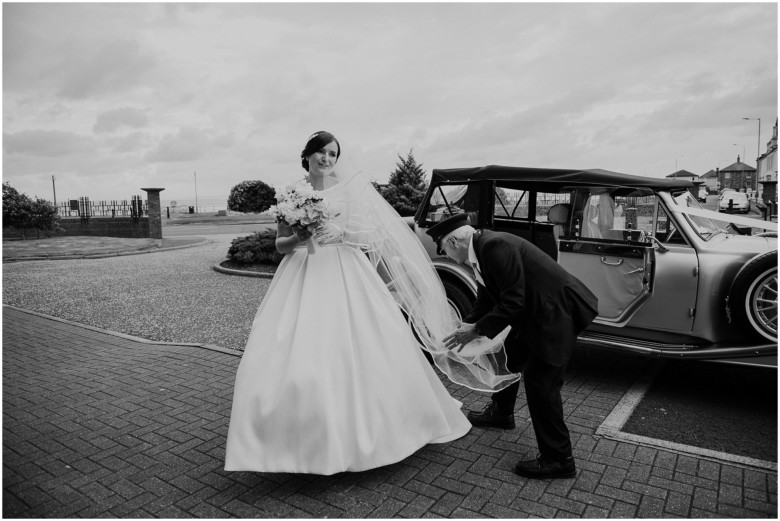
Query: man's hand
point(464, 334)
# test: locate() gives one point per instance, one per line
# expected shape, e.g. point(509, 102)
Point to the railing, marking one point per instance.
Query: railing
point(84, 208)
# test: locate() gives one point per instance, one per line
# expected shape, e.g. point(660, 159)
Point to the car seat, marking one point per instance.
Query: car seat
point(558, 215)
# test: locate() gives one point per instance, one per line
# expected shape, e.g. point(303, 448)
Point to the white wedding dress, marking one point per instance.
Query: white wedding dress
point(332, 378)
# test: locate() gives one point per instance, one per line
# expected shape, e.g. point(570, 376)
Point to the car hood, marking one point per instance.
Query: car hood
point(743, 243)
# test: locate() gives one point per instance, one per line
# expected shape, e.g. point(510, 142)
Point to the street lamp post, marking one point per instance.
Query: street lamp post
point(195, 174)
point(54, 191)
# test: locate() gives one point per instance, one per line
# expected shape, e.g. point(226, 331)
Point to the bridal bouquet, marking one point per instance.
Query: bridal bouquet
point(300, 206)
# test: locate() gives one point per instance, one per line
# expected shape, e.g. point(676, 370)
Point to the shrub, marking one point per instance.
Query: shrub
point(258, 248)
point(24, 214)
point(251, 197)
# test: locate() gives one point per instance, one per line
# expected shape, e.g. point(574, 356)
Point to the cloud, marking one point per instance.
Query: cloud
point(113, 67)
point(112, 120)
point(50, 143)
point(186, 145)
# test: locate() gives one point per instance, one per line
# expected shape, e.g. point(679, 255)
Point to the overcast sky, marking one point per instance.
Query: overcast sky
point(110, 98)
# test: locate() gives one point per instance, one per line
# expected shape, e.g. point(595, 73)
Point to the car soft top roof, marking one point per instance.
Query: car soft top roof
point(551, 179)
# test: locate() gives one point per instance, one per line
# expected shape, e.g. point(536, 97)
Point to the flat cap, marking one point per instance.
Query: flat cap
point(439, 230)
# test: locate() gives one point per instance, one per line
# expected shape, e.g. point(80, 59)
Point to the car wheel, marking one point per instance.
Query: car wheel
point(459, 298)
point(753, 297)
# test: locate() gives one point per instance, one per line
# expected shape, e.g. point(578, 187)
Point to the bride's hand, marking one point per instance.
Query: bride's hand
point(303, 234)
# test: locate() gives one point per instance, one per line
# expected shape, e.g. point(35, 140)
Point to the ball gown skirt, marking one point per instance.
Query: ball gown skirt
point(332, 379)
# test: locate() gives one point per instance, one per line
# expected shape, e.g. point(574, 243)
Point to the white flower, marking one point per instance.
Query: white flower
point(299, 205)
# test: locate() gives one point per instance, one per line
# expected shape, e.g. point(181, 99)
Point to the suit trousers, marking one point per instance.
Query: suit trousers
point(543, 383)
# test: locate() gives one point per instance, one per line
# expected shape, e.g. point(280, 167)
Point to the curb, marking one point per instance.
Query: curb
point(210, 347)
point(116, 253)
point(242, 273)
point(612, 425)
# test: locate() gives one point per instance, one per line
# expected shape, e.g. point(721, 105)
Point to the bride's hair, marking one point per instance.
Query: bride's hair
point(316, 142)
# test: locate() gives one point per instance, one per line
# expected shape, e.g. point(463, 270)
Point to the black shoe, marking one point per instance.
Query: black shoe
point(492, 417)
point(540, 468)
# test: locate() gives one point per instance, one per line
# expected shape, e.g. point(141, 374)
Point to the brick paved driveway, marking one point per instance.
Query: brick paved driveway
point(97, 424)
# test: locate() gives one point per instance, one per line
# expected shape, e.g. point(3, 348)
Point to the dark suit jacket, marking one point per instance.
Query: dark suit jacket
point(526, 289)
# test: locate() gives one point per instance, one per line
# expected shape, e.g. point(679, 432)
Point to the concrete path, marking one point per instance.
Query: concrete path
point(55, 248)
point(99, 424)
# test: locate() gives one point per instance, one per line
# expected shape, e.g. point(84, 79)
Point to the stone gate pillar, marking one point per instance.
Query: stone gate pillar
point(155, 213)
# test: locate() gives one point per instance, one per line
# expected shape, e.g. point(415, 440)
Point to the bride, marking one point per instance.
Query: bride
point(332, 378)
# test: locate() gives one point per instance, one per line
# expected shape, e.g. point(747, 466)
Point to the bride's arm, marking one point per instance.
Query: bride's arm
point(287, 239)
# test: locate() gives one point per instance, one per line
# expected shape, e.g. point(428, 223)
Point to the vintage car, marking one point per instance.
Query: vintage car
point(672, 278)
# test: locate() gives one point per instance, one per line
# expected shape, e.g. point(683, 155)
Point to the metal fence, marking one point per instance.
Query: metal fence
point(84, 208)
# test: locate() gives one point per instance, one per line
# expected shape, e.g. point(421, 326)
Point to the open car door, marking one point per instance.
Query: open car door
point(609, 255)
point(619, 274)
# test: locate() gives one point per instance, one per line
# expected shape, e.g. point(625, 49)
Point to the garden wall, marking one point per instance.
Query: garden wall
point(126, 227)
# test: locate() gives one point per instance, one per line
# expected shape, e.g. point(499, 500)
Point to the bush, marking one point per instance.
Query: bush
point(258, 248)
point(24, 214)
point(251, 197)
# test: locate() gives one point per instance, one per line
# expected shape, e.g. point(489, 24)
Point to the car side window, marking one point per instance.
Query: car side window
point(511, 203)
point(449, 200)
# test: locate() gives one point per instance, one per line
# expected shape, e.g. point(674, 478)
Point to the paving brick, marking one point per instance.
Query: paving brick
point(563, 503)
point(462, 513)
point(731, 475)
point(645, 490)
point(452, 485)
point(639, 472)
point(737, 512)
point(625, 496)
point(492, 510)
point(704, 499)
point(651, 507)
point(671, 486)
point(666, 459)
point(730, 494)
point(417, 507)
point(388, 509)
point(592, 512)
point(678, 504)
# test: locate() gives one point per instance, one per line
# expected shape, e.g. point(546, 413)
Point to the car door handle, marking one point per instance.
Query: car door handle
point(638, 270)
point(618, 263)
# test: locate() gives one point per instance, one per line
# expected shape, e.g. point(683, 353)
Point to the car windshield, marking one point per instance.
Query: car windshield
point(705, 227)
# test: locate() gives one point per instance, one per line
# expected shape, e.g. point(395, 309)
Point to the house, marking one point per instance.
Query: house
point(710, 181)
point(690, 176)
point(684, 174)
point(738, 176)
point(767, 170)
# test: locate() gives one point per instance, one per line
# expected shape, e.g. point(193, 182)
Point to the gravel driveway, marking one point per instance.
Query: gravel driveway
point(171, 296)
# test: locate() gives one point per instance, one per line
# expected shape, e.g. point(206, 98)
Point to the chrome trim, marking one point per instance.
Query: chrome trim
point(666, 350)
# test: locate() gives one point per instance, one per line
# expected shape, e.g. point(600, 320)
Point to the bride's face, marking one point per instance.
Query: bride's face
point(322, 162)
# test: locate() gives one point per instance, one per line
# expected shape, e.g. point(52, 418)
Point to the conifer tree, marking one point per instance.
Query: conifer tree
point(406, 187)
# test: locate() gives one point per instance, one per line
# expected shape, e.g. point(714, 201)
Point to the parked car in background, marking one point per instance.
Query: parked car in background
point(734, 202)
point(671, 281)
point(703, 193)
